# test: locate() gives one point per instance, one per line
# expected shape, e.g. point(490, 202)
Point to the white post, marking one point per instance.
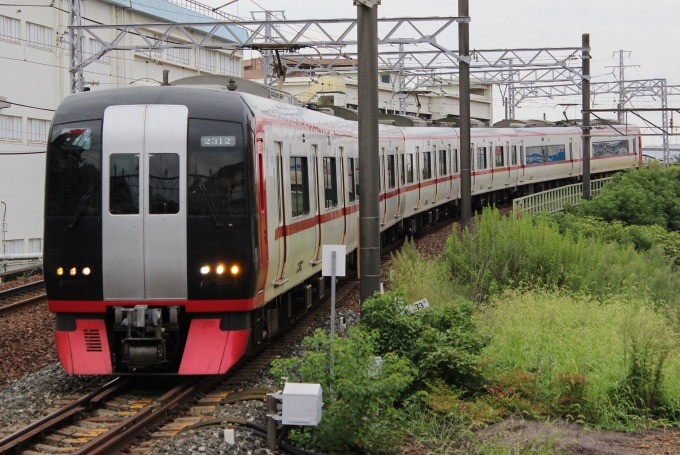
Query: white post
point(333, 294)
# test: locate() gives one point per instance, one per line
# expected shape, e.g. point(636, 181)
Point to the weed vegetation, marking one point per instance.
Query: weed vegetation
point(572, 316)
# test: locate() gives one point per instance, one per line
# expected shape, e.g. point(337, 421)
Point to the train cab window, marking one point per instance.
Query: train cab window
point(454, 162)
point(299, 186)
point(124, 184)
point(481, 158)
point(74, 170)
point(164, 183)
point(427, 165)
point(513, 155)
point(330, 183)
point(499, 162)
point(391, 172)
point(216, 172)
point(442, 163)
point(350, 180)
point(409, 167)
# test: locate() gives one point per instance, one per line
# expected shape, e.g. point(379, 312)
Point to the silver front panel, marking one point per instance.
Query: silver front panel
point(144, 247)
point(165, 235)
point(123, 234)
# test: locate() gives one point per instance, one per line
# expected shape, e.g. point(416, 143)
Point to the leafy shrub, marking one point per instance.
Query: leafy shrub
point(639, 196)
point(642, 237)
point(442, 342)
point(505, 253)
point(359, 396)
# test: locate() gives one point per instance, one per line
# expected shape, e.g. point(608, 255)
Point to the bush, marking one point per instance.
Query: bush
point(639, 196)
point(359, 396)
point(613, 362)
point(507, 253)
point(442, 342)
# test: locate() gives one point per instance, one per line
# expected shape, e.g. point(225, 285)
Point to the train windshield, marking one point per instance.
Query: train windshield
point(216, 169)
point(74, 170)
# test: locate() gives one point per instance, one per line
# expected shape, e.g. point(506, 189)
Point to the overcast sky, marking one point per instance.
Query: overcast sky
point(650, 30)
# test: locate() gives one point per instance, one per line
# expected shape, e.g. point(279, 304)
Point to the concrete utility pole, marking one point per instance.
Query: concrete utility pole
point(464, 97)
point(586, 114)
point(369, 143)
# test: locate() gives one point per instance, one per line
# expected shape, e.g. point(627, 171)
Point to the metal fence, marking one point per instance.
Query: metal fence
point(552, 201)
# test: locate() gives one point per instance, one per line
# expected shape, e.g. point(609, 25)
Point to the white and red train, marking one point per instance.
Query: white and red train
point(184, 225)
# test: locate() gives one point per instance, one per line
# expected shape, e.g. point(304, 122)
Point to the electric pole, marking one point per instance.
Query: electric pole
point(622, 86)
point(76, 40)
point(464, 97)
point(369, 143)
point(585, 57)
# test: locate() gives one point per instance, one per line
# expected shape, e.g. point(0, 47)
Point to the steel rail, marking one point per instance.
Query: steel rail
point(17, 291)
point(13, 442)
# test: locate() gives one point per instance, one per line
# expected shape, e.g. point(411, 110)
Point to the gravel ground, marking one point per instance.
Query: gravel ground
point(26, 342)
point(19, 282)
point(30, 397)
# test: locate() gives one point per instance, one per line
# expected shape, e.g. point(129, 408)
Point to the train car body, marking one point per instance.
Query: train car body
point(184, 225)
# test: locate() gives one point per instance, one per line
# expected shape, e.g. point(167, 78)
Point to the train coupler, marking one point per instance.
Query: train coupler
point(146, 333)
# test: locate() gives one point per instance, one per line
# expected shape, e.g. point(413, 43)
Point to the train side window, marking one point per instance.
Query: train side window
point(427, 165)
point(164, 183)
point(513, 155)
point(499, 156)
point(409, 168)
point(391, 172)
point(330, 183)
point(571, 149)
point(521, 154)
point(350, 180)
point(124, 184)
point(481, 158)
point(442, 163)
point(299, 186)
point(402, 172)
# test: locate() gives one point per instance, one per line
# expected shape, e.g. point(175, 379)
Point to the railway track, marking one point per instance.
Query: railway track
point(15, 298)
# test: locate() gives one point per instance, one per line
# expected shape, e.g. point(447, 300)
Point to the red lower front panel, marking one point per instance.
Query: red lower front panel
point(208, 350)
point(86, 349)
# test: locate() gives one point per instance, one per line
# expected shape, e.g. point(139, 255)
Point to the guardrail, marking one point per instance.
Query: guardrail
point(555, 200)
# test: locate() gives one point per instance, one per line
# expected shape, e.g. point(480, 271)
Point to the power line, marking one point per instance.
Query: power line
point(29, 152)
point(31, 107)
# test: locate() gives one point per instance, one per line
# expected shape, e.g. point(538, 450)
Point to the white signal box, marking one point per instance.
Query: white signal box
point(301, 404)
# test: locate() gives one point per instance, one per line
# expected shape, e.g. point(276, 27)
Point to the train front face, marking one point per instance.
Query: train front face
point(151, 254)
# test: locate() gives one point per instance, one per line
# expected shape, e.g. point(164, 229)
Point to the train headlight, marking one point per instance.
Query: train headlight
point(235, 270)
point(219, 269)
point(73, 271)
point(205, 270)
point(86, 271)
point(60, 271)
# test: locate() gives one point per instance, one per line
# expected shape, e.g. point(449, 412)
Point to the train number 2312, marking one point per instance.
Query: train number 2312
point(218, 141)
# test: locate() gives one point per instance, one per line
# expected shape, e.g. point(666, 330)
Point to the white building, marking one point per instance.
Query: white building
point(34, 77)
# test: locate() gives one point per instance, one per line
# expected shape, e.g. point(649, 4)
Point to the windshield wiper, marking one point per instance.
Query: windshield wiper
point(201, 186)
point(81, 206)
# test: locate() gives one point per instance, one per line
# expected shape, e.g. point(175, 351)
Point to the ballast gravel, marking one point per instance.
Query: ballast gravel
point(211, 440)
point(31, 397)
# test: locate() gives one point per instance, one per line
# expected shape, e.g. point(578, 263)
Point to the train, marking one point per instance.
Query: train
point(184, 224)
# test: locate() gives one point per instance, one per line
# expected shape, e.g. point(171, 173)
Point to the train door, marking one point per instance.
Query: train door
point(318, 192)
point(144, 202)
point(416, 173)
point(522, 161)
point(508, 162)
point(473, 166)
point(281, 210)
point(571, 156)
point(343, 189)
point(436, 171)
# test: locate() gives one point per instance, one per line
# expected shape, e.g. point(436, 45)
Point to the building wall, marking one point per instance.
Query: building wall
point(35, 73)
